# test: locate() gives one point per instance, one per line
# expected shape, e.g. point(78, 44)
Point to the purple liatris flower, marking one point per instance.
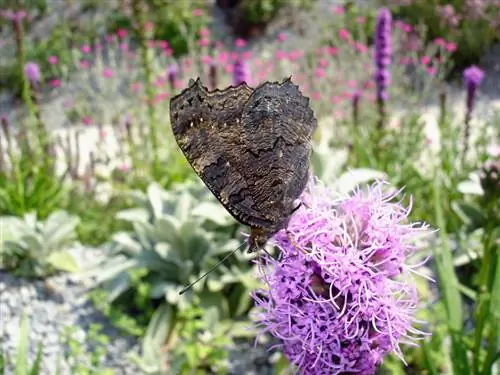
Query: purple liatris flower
point(32, 72)
point(172, 75)
point(472, 79)
point(341, 297)
point(383, 53)
point(241, 72)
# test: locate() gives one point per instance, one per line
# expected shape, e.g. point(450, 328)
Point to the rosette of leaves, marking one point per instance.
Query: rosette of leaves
point(177, 236)
point(33, 248)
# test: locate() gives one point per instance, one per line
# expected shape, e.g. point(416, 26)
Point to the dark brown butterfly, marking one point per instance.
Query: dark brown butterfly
point(251, 147)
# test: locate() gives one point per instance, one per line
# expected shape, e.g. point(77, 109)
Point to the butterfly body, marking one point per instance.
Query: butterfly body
point(251, 147)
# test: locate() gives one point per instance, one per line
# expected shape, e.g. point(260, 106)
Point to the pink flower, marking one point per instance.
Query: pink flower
point(32, 72)
point(323, 63)
point(294, 55)
point(352, 84)
point(360, 19)
point(316, 95)
point(84, 64)
point(124, 167)
point(207, 60)
point(122, 33)
point(107, 73)
point(151, 44)
point(85, 48)
point(204, 42)
point(197, 12)
point(425, 60)
point(87, 120)
point(332, 51)
point(223, 57)
point(148, 25)
point(344, 34)
point(440, 42)
point(360, 47)
point(204, 32)
point(13, 15)
point(431, 70)
point(163, 44)
point(240, 43)
point(110, 38)
point(52, 60)
point(280, 54)
point(336, 99)
point(123, 46)
point(281, 37)
point(338, 10)
point(55, 83)
point(136, 86)
point(451, 47)
point(320, 73)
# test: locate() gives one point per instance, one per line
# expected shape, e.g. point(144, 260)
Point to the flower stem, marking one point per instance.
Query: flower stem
point(139, 15)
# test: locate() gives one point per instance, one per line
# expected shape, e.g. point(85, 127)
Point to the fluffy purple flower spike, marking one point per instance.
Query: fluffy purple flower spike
point(341, 297)
point(472, 79)
point(32, 72)
point(383, 52)
point(241, 72)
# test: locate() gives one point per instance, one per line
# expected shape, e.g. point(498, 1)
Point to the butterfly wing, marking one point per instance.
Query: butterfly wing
point(277, 129)
point(207, 128)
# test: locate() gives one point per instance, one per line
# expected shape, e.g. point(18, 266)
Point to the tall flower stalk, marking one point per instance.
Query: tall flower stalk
point(140, 15)
point(241, 72)
point(341, 296)
point(472, 79)
point(30, 78)
point(383, 53)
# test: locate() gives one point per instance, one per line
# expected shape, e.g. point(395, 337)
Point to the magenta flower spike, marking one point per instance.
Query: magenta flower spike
point(32, 72)
point(341, 296)
point(241, 72)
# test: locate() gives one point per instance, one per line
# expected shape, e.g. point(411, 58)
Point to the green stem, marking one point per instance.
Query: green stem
point(489, 299)
point(449, 286)
point(139, 14)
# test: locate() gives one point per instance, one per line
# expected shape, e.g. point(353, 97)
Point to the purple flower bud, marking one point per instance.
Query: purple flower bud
point(383, 53)
point(241, 72)
point(341, 297)
point(172, 71)
point(32, 72)
point(472, 79)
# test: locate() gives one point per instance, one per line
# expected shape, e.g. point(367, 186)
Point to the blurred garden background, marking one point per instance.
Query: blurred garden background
point(103, 221)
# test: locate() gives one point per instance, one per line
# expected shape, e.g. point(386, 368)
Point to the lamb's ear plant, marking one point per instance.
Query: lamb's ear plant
point(34, 248)
point(177, 235)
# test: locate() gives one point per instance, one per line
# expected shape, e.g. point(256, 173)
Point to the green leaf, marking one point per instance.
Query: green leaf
point(471, 215)
point(155, 195)
point(63, 261)
point(133, 214)
point(215, 300)
point(22, 348)
point(37, 365)
point(157, 332)
point(127, 243)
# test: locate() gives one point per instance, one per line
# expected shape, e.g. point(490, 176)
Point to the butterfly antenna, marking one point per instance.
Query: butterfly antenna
point(186, 288)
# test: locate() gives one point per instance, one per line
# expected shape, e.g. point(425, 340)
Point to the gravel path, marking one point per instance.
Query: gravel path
point(52, 305)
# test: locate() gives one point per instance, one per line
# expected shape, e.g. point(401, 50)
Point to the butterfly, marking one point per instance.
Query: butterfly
point(250, 146)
